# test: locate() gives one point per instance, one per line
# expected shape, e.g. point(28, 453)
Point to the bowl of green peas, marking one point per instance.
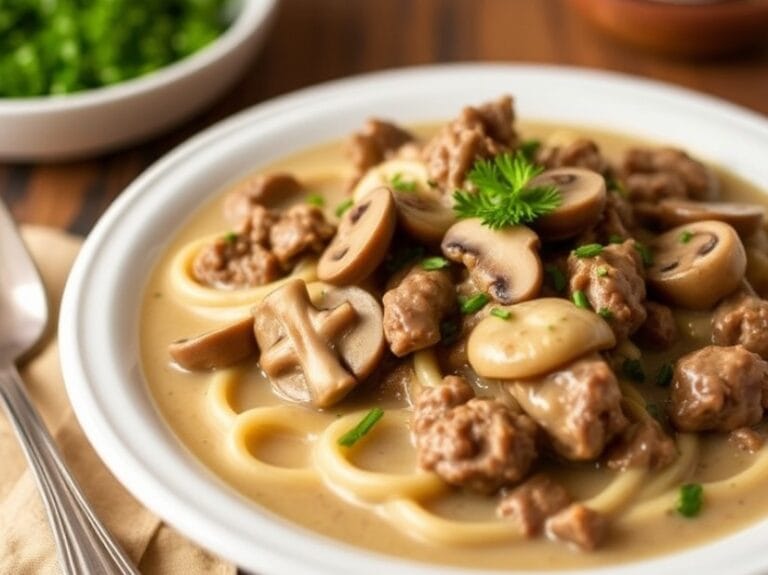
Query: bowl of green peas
point(83, 77)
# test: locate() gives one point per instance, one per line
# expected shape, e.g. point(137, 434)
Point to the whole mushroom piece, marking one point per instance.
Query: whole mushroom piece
point(697, 264)
point(504, 263)
point(582, 200)
point(215, 349)
point(746, 219)
point(317, 354)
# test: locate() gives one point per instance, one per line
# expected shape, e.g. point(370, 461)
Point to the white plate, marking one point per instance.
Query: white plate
point(98, 331)
point(102, 119)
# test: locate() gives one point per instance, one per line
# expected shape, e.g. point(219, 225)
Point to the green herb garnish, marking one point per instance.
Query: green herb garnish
point(449, 331)
point(614, 185)
point(690, 500)
point(601, 271)
point(588, 251)
point(361, 429)
point(605, 313)
point(557, 277)
point(580, 299)
point(435, 263)
point(664, 375)
point(686, 236)
point(473, 303)
point(401, 185)
point(645, 254)
point(230, 237)
point(633, 369)
point(529, 148)
point(343, 207)
point(501, 198)
point(315, 199)
point(501, 313)
point(615, 239)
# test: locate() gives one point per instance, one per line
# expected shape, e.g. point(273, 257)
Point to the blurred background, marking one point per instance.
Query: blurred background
point(720, 48)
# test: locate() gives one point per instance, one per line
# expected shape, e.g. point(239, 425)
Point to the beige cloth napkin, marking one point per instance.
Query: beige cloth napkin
point(26, 542)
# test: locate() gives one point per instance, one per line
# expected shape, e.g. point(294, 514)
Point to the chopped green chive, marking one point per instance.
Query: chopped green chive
point(315, 200)
point(690, 500)
point(633, 369)
point(614, 185)
point(449, 331)
point(435, 263)
point(529, 148)
point(230, 237)
point(580, 299)
point(645, 254)
point(401, 185)
point(588, 251)
point(615, 239)
point(605, 313)
point(557, 277)
point(361, 429)
point(601, 271)
point(686, 236)
point(343, 207)
point(664, 375)
point(402, 257)
point(473, 303)
point(501, 313)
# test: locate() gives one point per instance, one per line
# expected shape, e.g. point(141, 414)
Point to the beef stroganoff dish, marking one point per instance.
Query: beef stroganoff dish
point(485, 343)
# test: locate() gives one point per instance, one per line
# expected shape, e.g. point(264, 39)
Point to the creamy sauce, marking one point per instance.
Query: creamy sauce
point(181, 398)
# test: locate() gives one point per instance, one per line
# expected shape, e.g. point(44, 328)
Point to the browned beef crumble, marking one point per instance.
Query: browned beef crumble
point(479, 444)
point(581, 153)
point(659, 330)
point(578, 525)
point(614, 285)
point(643, 445)
point(414, 309)
point(378, 141)
point(651, 174)
point(747, 439)
point(300, 230)
point(530, 504)
point(742, 319)
point(262, 190)
point(718, 389)
point(480, 132)
point(579, 407)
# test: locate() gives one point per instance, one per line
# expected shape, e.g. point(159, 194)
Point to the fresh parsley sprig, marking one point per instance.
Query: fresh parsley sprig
point(501, 198)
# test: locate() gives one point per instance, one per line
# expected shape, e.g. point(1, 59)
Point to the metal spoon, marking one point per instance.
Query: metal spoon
point(84, 544)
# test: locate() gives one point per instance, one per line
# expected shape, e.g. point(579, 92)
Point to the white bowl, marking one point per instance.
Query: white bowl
point(99, 350)
point(102, 119)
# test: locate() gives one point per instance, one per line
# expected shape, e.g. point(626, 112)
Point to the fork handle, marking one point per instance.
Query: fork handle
point(84, 544)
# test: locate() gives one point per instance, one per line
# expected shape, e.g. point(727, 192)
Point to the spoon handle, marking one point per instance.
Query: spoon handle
point(85, 546)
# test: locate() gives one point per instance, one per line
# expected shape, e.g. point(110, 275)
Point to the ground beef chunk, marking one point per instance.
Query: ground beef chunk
point(742, 319)
point(655, 173)
point(262, 190)
point(614, 285)
point(747, 439)
point(301, 229)
point(235, 262)
point(581, 153)
point(616, 223)
point(415, 308)
point(579, 407)
point(719, 389)
point(578, 525)
point(376, 142)
point(643, 445)
point(530, 504)
point(480, 444)
point(477, 133)
point(659, 330)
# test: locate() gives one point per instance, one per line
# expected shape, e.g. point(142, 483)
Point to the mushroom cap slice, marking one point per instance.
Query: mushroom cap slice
point(424, 215)
point(697, 264)
point(746, 219)
point(539, 336)
point(504, 263)
point(361, 241)
point(583, 196)
point(411, 173)
point(215, 349)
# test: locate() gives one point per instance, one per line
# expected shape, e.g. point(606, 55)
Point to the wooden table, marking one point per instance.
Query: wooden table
point(317, 40)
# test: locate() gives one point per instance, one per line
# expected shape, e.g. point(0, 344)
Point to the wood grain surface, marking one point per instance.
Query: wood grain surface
point(317, 40)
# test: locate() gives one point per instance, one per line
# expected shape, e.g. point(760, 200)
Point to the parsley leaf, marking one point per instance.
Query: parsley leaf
point(401, 185)
point(434, 263)
point(501, 198)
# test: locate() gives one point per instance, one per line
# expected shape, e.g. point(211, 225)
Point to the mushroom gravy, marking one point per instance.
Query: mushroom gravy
point(195, 406)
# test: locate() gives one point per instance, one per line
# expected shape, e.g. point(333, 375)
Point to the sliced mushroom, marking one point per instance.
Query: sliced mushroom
point(504, 263)
point(275, 190)
point(582, 194)
point(537, 337)
point(746, 219)
point(697, 264)
point(216, 349)
point(424, 215)
point(362, 240)
point(406, 174)
point(318, 354)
